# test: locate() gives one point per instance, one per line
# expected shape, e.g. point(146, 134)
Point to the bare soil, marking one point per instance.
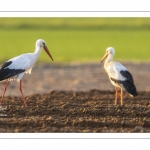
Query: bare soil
point(75, 98)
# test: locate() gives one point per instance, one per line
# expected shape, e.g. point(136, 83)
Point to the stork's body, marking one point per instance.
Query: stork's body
point(15, 68)
point(119, 76)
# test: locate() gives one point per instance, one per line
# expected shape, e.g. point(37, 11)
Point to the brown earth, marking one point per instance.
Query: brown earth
point(79, 98)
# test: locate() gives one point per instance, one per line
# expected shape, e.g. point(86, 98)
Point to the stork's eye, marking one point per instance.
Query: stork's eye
point(44, 44)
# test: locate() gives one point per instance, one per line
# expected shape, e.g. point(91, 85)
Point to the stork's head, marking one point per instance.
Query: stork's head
point(41, 43)
point(110, 51)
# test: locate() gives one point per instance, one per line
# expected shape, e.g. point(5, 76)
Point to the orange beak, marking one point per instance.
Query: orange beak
point(104, 57)
point(47, 51)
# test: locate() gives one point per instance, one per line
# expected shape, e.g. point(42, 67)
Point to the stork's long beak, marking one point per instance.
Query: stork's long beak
point(104, 57)
point(47, 51)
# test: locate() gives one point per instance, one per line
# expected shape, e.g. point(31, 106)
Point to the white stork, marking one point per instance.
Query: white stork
point(119, 76)
point(15, 68)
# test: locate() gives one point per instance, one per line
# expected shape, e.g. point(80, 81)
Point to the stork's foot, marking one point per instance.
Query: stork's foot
point(25, 105)
point(115, 102)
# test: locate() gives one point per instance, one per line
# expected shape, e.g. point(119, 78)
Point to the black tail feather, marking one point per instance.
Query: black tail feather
point(129, 87)
point(8, 73)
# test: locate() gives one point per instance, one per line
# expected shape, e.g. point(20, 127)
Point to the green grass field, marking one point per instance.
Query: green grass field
point(76, 39)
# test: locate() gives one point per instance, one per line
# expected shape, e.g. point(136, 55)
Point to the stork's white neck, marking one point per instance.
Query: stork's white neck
point(36, 54)
point(108, 59)
point(38, 51)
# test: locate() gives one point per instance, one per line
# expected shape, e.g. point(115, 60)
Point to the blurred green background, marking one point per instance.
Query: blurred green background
point(76, 39)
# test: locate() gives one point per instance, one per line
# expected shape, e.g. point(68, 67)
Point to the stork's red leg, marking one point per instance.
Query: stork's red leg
point(20, 88)
point(116, 96)
point(5, 88)
point(121, 96)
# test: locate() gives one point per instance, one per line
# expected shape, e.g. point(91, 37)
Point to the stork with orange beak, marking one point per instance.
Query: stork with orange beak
point(15, 68)
point(119, 76)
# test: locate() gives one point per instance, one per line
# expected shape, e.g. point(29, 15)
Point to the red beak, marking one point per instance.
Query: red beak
point(47, 51)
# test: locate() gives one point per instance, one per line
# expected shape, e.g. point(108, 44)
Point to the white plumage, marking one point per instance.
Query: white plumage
point(15, 68)
point(119, 76)
point(113, 69)
point(24, 62)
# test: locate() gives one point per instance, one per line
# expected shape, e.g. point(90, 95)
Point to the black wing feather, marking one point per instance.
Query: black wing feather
point(127, 84)
point(6, 64)
point(127, 75)
point(6, 73)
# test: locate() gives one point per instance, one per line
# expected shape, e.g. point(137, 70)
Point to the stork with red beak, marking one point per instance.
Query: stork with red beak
point(15, 68)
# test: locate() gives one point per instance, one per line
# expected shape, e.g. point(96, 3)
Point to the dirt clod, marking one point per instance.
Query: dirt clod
point(89, 111)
